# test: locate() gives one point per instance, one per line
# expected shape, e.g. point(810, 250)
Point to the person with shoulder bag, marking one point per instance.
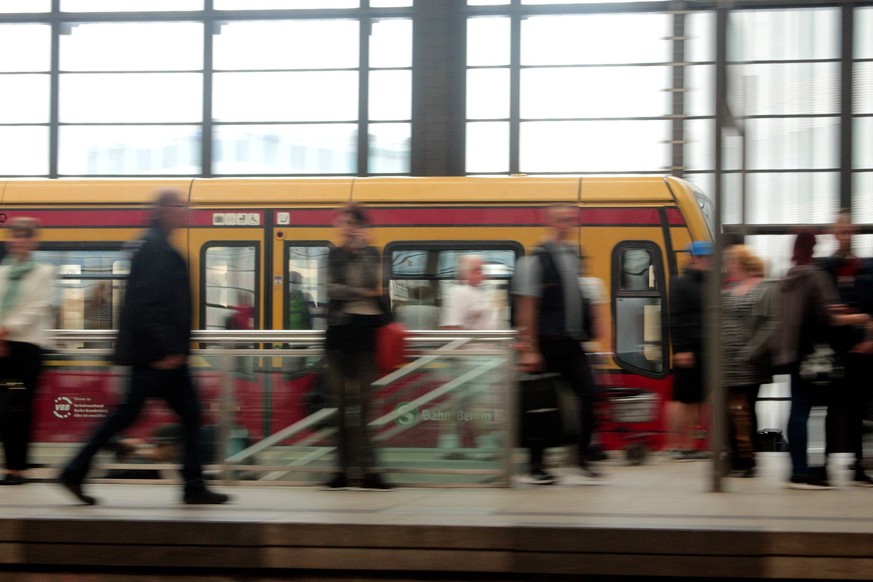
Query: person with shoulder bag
point(550, 318)
point(810, 307)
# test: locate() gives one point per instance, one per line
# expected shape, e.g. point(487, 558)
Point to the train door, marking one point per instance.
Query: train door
point(640, 342)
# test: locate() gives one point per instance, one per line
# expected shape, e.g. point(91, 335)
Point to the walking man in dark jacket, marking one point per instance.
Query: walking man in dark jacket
point(154, 338)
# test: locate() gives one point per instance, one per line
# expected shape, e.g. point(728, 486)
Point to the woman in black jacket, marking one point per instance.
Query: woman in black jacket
point(354, 313)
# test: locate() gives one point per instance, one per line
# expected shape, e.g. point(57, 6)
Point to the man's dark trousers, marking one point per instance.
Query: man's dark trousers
point(173, 386)
point(565, 356)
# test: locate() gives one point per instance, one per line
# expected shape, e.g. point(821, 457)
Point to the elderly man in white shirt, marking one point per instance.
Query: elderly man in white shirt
point(470, 306)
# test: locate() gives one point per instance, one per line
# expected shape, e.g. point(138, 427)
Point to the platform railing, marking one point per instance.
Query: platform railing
point(430, 416)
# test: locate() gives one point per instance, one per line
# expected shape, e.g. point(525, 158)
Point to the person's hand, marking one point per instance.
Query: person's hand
point(683, 360)
point(864, 347)
point(170, 362)
point(530, 360)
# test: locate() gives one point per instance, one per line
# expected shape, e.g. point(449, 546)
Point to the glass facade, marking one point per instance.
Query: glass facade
point(305, 87)
point(185, 93)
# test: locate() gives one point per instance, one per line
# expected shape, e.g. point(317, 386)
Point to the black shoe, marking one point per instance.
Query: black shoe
point(816, 482)
point(375, 482)
point(748, 473)
point(75, 487)
point(340, 481)
point(541, 477)
point(11, 479)
point(203, 496)
point(589, 471)
point(862, 479)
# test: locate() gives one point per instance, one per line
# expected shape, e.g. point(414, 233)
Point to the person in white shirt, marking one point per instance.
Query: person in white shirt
point(470, 306)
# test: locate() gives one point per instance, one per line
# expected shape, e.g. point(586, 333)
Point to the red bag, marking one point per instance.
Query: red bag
point(390, 347)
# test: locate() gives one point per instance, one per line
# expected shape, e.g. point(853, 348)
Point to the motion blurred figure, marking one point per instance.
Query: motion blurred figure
point(25, 316)
point(750, 315)
point(154, 338)
point(688, 410)
point(551, 327)
point(853, 278)
point(354, 312)
point(810, 306)
point(468, 305)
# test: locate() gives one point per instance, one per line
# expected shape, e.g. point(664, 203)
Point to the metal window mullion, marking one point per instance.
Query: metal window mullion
point(514, 90)
point(54, 91)
point(363, 168)
point(677, 164)
point(207, 127)
point(846, 90)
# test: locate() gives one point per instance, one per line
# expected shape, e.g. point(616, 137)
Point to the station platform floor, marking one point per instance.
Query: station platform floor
point(659, 519)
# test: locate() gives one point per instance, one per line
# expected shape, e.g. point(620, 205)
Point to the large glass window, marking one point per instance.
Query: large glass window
point(638, 290)
point(230, 286)
point(788, 92)
point(129, 5)
point(268, 91)
point(25, 60)
point(421, 274)
point(89, 286)
point(306, 290)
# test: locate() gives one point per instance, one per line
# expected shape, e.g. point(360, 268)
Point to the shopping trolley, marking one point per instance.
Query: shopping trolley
point(631, 410)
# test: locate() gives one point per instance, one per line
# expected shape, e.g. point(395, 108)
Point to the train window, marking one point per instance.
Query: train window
point(637, 287)
point(90, 285)
point(230, 286)
point(306, 291)
point(420, 274)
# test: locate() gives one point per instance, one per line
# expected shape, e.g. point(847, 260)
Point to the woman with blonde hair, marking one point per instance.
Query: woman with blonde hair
point(749, 317)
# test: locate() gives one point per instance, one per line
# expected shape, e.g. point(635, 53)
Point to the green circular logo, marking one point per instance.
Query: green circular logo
point(407, 415)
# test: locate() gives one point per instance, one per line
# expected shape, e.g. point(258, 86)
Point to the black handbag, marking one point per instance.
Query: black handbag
point(540, 423)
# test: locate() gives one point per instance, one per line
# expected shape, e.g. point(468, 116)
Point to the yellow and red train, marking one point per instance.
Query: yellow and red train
point(265, 242)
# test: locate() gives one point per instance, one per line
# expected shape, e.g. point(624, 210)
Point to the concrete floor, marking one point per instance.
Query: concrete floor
point(657, 519)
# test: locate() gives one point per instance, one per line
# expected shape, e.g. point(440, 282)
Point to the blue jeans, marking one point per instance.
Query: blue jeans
point(798, 437)
point(176, 387)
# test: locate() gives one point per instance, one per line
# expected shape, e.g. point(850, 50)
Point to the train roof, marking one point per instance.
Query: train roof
point(335, 191)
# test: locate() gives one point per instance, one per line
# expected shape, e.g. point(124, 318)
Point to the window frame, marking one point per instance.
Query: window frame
point(659, 292)
point(258, 275)
point(286, 279)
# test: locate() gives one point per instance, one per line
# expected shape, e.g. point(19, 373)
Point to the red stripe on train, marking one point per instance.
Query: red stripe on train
point(469, 216)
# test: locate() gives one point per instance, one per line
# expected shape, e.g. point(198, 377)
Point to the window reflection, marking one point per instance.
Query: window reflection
point(290, 149)
point(639, 341)
point(230, 284)
point(89, 286)
point(126, 150)
point(420, 277)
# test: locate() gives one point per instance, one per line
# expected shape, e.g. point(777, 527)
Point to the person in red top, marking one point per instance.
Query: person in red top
point(243, 314)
